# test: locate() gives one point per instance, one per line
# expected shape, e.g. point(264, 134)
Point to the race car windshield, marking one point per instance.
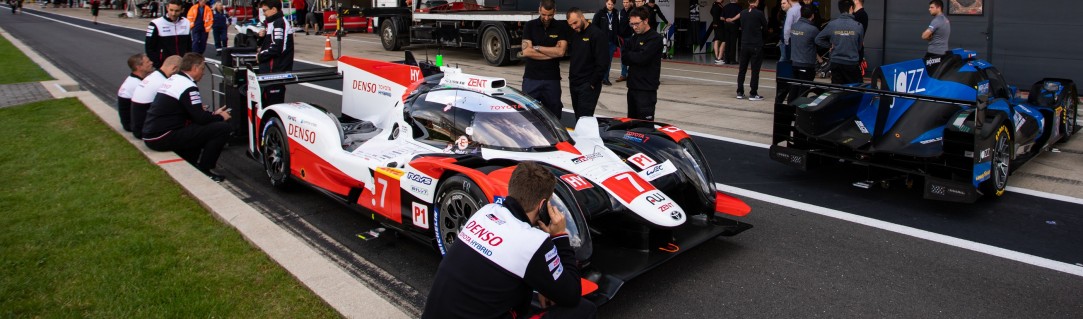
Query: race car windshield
point(526, 129)
point(515, 121)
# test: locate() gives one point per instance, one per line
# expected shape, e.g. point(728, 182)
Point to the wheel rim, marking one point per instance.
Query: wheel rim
point(273, 151)
point(388, 35)
point(455, 210)
point(493, 47)
point(1001, 162)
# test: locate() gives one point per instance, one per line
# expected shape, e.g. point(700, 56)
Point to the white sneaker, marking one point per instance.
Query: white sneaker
point(719, 62)
point(755, 98)
point(740, 96)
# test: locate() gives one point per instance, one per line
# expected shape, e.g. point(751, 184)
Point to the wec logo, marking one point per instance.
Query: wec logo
point(419, 178)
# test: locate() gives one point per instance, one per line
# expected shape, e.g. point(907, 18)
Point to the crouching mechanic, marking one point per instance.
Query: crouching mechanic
point(176, 120)
point(499, 259)
point(140, 66)
point(146, 91)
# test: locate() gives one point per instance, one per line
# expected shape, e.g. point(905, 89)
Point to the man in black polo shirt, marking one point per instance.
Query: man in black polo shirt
point(753, 26)
point(643, 55)
point(544, 42)
point(590, 60)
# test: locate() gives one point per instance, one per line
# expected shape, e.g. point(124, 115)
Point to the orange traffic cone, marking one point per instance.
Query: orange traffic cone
point(370, 26)
point(328, 55)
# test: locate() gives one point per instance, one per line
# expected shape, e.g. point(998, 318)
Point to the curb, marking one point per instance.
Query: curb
point(336, 287)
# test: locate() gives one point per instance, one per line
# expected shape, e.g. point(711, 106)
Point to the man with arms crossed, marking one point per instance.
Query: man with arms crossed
point(544, 43)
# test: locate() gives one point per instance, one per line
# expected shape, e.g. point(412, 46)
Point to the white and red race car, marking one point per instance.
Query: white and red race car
point(423, 148)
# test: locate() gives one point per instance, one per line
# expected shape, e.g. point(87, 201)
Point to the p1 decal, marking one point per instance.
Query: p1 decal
point(420, 214)
point(576, 182)
point(641, 160)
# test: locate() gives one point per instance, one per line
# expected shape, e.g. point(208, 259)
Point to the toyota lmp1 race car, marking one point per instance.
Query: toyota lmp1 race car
point(951, 119)
point(423, 148)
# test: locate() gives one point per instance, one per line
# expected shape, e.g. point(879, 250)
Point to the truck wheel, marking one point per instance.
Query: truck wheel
point(1002, 157)
point(275, 148)
point(389, 36)
point(493, 47)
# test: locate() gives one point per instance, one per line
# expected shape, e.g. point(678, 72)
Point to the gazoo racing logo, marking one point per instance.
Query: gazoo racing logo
point(586, 158)
point(301, 133)
point(419, 178)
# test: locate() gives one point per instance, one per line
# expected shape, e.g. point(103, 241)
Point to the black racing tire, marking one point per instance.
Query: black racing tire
point(389, 35)
point(493, 47)
point(1071, 114)
point(275, 146)
point(457, 199)
point(1001, 163)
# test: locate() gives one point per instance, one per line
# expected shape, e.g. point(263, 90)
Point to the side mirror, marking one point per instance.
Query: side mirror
point(1014, 91)
point(979, 114)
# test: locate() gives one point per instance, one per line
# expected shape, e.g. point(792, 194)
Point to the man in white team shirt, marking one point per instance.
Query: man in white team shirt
point(145, 92)
point(500, 259)
point(140, 66)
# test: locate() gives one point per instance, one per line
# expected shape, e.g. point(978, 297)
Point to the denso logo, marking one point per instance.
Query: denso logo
point(364, 86)
point(586, 158)
point(419, 178)
point(655, 198)
point(301, 133)
point(483, 234)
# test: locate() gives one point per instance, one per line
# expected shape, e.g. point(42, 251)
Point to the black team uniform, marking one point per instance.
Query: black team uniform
point(541, 78)
point(124, 100)
point(166, 38)
point(589, 66)
point(753, 26)
point(276, 55)
point(176, 121)
point(643, 55)
point(494, 271)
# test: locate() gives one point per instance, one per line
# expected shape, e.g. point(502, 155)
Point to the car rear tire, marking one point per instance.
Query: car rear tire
point(1001, 163)
point(1071, 114)
point(457, 199)
point(389, 35)
point(275, 148)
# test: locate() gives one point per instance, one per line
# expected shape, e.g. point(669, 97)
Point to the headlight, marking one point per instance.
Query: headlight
point(572, 228)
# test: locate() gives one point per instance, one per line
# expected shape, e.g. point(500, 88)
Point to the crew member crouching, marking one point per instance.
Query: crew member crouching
point(176, 120)
point(499, 259)
point(140, 66)
point(146, 91)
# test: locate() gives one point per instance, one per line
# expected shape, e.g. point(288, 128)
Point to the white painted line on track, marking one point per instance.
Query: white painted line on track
point(1025, 191)
point(909, 231)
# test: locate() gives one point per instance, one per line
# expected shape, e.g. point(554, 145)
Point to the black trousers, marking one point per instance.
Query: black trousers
point(199, 145)
point(807, 73)
point(124, 109)
point(845, 74)
point(753, 54)
point(585, 309)
point(641, 104)
point(547, 92)
point(585, 98)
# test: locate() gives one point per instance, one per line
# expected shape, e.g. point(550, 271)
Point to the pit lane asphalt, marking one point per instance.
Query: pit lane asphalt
point(792, 264)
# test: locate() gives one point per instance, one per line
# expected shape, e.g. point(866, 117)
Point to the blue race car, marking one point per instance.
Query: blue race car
point(952, 120)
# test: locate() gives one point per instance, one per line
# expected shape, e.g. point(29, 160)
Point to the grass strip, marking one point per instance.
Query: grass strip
point(17, 68)
point(90, 228)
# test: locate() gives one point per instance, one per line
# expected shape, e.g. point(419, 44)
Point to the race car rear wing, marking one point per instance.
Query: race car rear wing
point(782, 125)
